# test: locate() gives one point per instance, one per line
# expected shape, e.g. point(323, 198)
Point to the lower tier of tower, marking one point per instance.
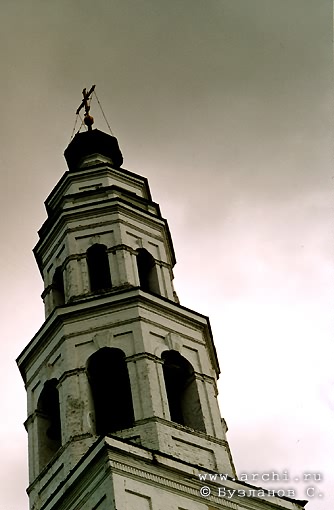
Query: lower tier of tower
point(117, 475)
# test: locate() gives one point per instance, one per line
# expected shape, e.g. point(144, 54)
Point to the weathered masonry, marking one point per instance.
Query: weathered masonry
point(121, 379)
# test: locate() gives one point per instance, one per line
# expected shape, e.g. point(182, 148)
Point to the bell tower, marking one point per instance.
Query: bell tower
point(121, 379)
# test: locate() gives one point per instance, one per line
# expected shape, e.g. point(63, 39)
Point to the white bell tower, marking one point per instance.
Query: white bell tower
point(121, 379)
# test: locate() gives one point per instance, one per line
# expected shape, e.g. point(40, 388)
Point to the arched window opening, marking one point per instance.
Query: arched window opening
point(98, 267)
point(58, 290)
point(49, 425)
point(110, 384)
point(147, 271)
point(182, 394)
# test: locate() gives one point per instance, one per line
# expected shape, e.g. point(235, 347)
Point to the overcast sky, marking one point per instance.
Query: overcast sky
point(226, 106)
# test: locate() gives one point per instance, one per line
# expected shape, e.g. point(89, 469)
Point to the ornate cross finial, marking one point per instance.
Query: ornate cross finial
point(88, 119)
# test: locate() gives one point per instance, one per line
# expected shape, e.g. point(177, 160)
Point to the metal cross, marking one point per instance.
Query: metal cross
point(88, 118)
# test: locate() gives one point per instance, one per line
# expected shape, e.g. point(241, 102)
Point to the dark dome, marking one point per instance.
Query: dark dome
point(92, 142)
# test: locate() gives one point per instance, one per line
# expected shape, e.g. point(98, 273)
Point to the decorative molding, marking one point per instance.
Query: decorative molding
point(52, 363)
point(123, 333)
point(144, 497)
point(52, 477)
point(174, 342)
point(34, 388)
point(47, 371)
point(138, 240)
point(62, 248)
point(143, 355)
point(95, 239)
point(103, 339)
point(187, 449)
point(171, 484)
point(203, 436)
point(70, 373)
point(104, 497)
point(81, 344)
point(90, 236)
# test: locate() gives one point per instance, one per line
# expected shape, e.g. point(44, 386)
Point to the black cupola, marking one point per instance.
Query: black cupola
point(89, 143)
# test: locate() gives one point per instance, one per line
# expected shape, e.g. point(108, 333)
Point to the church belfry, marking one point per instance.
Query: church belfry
point(121, 379)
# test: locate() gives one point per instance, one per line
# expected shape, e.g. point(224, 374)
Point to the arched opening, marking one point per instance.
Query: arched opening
point(49, 425)
point(147, 272)
point(182, 394)
point(110, 383)
point(58, 291)
point(98, 267)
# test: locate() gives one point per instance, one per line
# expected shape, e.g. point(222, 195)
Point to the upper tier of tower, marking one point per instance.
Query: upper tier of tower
point(101, 215)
